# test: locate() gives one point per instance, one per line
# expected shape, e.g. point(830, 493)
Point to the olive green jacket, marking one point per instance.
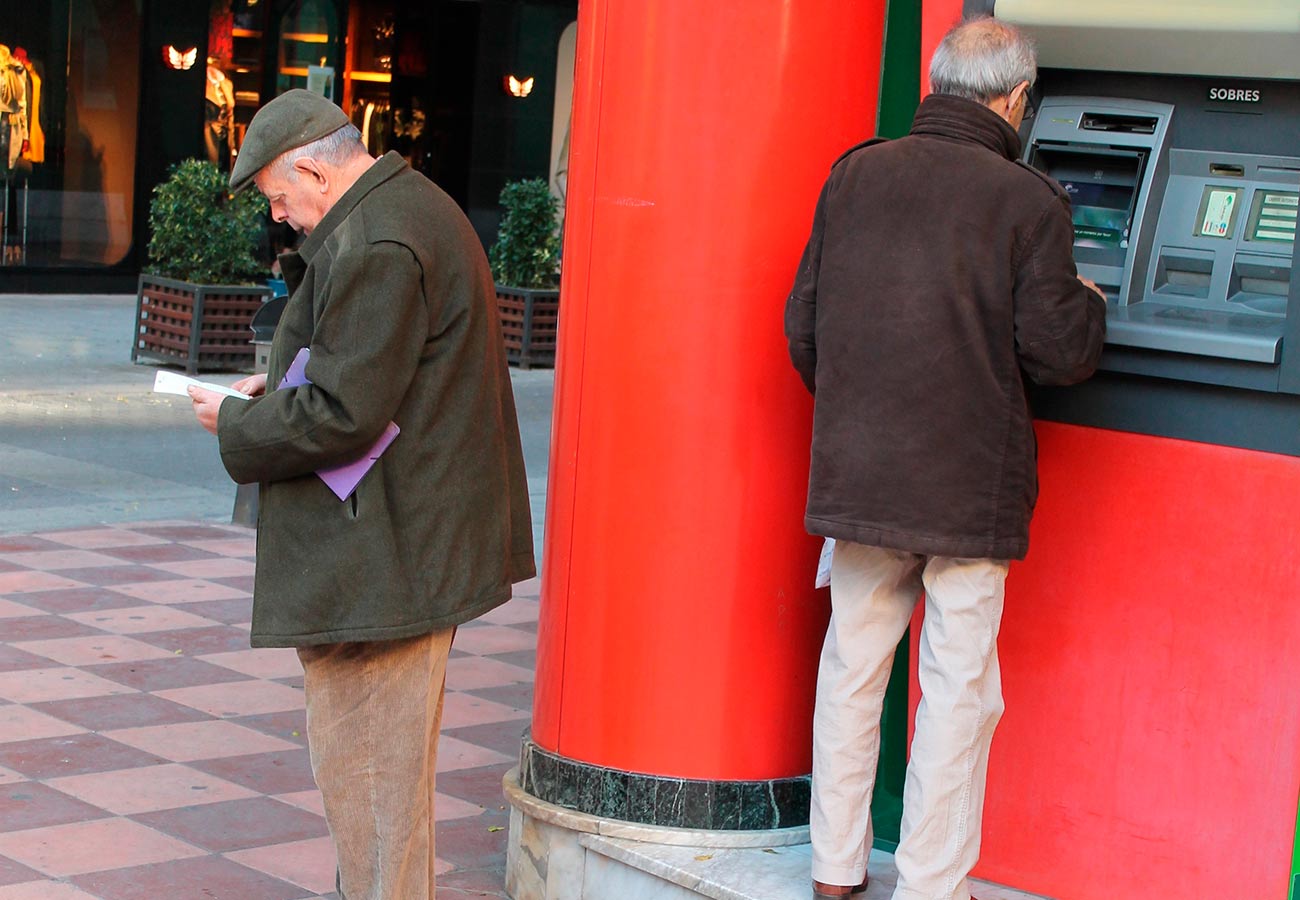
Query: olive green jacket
point(392, 293)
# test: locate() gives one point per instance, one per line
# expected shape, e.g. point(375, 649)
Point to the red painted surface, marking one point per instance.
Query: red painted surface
point(679, 628)
point(1149, 663)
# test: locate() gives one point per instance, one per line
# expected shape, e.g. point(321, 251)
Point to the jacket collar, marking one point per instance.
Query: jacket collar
point(383, 169)
point(966, 120)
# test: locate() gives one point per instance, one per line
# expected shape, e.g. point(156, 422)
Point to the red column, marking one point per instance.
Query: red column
point(679, 627)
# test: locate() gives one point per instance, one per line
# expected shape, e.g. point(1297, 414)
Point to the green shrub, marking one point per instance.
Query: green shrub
point(199, 232)
point(527, 251)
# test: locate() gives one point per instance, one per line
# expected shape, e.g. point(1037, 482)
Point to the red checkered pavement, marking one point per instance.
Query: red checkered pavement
point(146, 752)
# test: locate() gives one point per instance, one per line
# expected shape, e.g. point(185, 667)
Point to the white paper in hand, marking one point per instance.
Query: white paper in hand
point(174, 383)
point(824, 564)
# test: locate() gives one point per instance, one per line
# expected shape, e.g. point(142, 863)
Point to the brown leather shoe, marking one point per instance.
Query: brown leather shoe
point(837, 891)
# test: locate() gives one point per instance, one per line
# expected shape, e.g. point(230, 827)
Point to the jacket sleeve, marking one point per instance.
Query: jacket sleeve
point(801, 305)
point(1060, 324)
point(370, 331)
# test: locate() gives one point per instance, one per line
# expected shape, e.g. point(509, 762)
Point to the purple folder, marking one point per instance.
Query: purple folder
point(342, 479)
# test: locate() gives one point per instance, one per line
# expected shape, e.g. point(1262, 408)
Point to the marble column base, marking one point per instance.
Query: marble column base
point(555, 853)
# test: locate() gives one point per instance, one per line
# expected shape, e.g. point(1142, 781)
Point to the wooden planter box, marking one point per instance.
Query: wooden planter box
point(198, 326)
point(529, 317)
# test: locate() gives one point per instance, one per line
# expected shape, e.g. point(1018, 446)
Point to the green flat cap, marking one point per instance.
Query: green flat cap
point(292, 119)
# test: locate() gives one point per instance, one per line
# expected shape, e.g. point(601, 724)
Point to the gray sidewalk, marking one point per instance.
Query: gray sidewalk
point(83, 440)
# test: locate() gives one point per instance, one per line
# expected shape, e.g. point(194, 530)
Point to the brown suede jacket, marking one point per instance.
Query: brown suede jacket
point(939, 273)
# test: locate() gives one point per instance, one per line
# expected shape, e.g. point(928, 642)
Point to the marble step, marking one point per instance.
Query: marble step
point(748, 873)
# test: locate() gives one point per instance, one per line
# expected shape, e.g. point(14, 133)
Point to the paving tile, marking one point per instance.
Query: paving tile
point(120, 711)
point(13, 873)
point(9, 776)
point(12, 660)
point(493, 639)
point(139, 619)
point(28, 804)
point(188, 741)
point(237, 698)
point(201, 878)
point(123, 573)
point(483, 882)
point(309, 863)
point(284, 772)
point(228, 612)
point(237, 824)
point(308, 800)
point(11, 610)
point(516, 611)
point(230, 547)
point(525, 659)
point(503, 737)
point(218, 567)
point(8, 567)
point(530, 588)
point(57, 683)
point(101, 844)
point(44, 890)
point(22, 723)
point(93, 649)
point(460, 709)
point(471, 844)
point(446, 808)
point(64, 558)
point(150, 789)
point(161, 674)
point(269, 662)
point(74, 754)
point(242, 582)
point(516, 696)
point(454, 753)
point(180, 590)
point(469, 672)
point(481, 786)
point(290, 725)
point(24, 543)
point(199, 641)
point(80, 599)
point(100, 538)
point(186, 532)
point(42, 627)
point(156, 553)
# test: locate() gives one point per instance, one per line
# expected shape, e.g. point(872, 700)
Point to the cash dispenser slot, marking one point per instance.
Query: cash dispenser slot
point(1184, 273)
point(1260, 283)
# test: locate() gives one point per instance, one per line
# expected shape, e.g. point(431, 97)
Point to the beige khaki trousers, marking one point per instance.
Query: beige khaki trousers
point(873, 594)
point(373, 712)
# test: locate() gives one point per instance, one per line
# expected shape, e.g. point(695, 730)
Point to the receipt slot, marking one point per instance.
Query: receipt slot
point(1151, 742)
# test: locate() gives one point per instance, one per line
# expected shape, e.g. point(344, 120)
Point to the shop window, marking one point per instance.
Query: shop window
point(69, 107)
point(309, 36)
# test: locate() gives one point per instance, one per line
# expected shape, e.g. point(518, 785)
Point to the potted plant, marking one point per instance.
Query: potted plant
point(197, 297)
point(526, 267)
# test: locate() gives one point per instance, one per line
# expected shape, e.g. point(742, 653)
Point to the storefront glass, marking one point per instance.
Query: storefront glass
point(69, 105)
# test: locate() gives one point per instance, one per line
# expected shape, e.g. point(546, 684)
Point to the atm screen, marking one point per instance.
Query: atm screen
point(1102, 185)
point(1100, 213)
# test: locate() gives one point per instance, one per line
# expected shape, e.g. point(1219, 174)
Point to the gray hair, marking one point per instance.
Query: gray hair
point(981, 60)
point(335, 148)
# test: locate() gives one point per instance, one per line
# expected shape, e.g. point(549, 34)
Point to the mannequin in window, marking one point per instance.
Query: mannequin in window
point(219, 117)
point(35, 151)
point(13, 109)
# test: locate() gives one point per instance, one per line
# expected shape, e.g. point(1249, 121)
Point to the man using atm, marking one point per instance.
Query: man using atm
point(938, 276)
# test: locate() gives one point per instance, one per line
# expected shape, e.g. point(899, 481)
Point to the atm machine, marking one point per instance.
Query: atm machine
point(1151, 642)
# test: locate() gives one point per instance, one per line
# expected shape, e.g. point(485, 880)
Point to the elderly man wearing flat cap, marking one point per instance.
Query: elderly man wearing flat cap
point(391, 296)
